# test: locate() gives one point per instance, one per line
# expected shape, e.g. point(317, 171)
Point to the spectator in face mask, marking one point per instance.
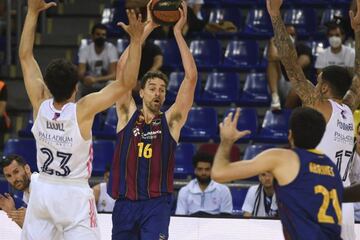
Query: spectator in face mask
point(203, 195)
point(337, 53)
point(97, 62)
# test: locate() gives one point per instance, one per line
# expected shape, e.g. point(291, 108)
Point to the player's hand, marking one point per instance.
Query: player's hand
point(18, 216)
point(183, 18)
point(273, 7)
point(136, 27)
point(39, 5)
point(228, 128)
point(7, 203)
point(150, 19)
point(355, 17)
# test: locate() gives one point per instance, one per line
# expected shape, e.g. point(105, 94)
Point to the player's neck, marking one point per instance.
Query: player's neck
point(203, 186)
point(59, 106)
point(336, 50)
point(148, 114)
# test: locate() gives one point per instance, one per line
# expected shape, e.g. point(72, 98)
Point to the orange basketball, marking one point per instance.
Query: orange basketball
point(165, 12)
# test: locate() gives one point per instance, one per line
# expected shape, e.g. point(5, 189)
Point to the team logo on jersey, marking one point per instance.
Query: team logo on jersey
point(136, 131)
point(56, 116)
point(156, 122)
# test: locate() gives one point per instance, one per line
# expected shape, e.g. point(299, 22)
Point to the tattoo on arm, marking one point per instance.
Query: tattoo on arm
point(288, 57)
point(352, 97)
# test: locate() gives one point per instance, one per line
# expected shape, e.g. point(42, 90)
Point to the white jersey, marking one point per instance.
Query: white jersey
point(105, 202)
point(61, 150)
point(338, 140)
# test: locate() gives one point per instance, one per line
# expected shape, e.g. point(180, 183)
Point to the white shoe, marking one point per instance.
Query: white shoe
point(275, 102)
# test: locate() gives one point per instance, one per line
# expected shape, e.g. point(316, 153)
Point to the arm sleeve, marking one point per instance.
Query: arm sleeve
point(181, 206)
point(249, 202)
point(83, 54)
point(226, 204)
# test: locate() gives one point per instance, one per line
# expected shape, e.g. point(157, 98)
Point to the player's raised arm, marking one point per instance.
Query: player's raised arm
point(352, 97)
point(288, 56)
point(185, 98)
point(34, 82)
point(97, 102)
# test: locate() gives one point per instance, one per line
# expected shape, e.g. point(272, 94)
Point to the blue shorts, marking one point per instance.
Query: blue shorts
point(142, 220)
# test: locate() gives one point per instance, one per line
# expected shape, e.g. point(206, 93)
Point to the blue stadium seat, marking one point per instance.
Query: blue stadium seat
point(241, 54)
point(252, 150)
point(183, 160)
point(23, 147)
point(103, 155)
point(122, 44)
point(175, 80)
point(304, 20)
point(171, 54)
point(117, 14)
point(108, 130)
point(275, 127)
point(255, 91)
point(329, 15)
point(207, 53)
point(26, 132)
point(221, 89)
point(238, 198)
point(4, 186)
point(201, 125)
point(211, 148)
point(258, 23)
point(219, 15)
point(248, 121)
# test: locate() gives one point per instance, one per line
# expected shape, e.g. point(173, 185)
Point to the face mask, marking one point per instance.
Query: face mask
point(99, 42)
point(335, 41)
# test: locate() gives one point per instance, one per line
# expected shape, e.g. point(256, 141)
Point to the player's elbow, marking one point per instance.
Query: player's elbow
point(218, 175)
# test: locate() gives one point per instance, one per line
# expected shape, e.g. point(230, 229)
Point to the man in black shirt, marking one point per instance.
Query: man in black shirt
point(151, 60)
point(278, 81)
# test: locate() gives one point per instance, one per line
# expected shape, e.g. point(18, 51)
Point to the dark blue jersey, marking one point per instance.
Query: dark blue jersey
point(310, 206)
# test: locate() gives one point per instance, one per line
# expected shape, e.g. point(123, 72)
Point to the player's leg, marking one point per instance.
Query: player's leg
point(156, 219)
point(124, 219)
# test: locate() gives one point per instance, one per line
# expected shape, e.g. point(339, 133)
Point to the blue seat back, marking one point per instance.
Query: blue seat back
point(175, 80)
point(248, 120)
point(303, 20)
point(219, 15)
point(103, 155)
point(207, 53)
point(258, 22)
point(170, 52)
point(222, 86)
point(256, 83)
point(183, 160)
point(242, 53)
point(23, 147)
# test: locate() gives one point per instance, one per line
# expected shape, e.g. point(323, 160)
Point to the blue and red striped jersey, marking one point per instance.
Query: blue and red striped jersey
point(144, 158)
point(310, 206)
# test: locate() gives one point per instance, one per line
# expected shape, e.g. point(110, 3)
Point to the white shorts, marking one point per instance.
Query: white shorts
point(60, 210)
point(348, 225)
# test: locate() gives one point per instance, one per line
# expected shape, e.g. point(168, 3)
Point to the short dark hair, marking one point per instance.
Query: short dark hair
point(98, 26)
point(7, 160)
point(61, 78)
point(202, 157)
point(151, 75)
point(307, 126)
point(333, 26)
point(339, 79)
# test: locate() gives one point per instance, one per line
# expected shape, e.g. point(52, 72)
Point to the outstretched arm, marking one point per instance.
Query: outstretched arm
point(185, 98)
point(352, 97)
point(34, 82)
point(288, 56)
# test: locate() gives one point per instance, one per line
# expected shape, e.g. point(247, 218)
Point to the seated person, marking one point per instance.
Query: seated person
point(151, 58)
point(278, 80)
point(97, 62)
point(203, 194)
point(196, 6)
point(18, 174)
point(104, 203)
point(260, 200)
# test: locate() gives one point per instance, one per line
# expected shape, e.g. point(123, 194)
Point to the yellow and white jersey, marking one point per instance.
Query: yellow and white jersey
point(62, 153)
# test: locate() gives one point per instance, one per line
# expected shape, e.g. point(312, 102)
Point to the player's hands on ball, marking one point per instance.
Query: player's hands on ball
point(39, 5)
point(228, 128)
point(183, 18)
point(150, 19)
point(355, 18)
point(273, 7)
point(136, 27)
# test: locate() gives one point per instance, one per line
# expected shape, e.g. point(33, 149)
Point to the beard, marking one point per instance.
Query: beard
point(154, 108)
point(23, 184)
point(203, 180)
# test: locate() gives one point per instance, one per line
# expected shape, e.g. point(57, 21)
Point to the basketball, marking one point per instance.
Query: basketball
point(165, 12)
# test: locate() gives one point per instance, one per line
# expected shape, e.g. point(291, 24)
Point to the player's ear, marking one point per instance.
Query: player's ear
point(27, 169)
point(290, 138)
point(141, 93)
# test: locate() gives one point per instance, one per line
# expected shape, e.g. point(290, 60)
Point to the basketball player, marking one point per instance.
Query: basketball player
point(308, 186)
point(61, 200)
point(336, 95)
point(141, 177)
